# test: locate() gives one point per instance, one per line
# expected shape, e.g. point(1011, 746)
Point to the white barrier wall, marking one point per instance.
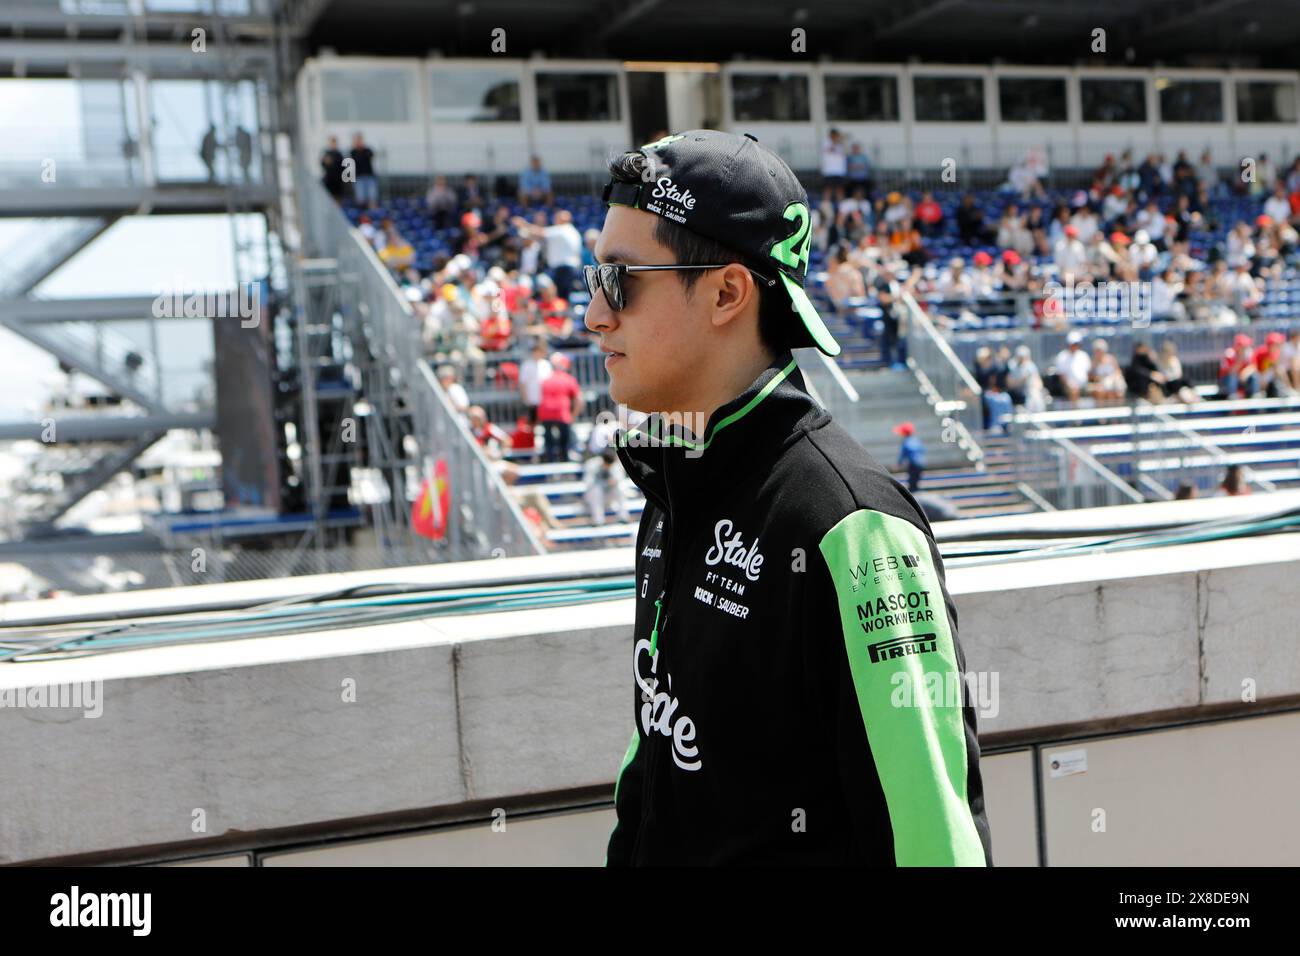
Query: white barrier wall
point(253, 744)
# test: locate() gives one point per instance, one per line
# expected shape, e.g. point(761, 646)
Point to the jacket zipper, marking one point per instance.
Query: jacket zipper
point(647, 786)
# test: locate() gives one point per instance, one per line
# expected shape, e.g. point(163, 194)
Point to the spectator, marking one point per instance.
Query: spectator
point(1245, 291)
point(1069, 254)
point(524, 438)
point(929, 215)
point(834, 162)
point(471, 197)
point(911, 454)
point(1278, 206)
point(556, 321)
point(955, 282)
point(394, 251)
point(1267, 361)
point(843, 280)
point(533, 371)
point(208, 151)
point(1114, 205)
point(455, 391)
point(602, 480)
point(441, 202)
point(1289, 362)
point(858, 166)
point(997, 408)
point(331, 164)
point(1073, 367)
point(1013, 232)
point(491, 438)
point(366, 187)
point(1233, 482)
point(893, 318)
point(1207, 176)
point(535, 185)
point(1024, 383)
point(1237, 369)
point(970, 222)
point(1165, 290)
point(1106, 378)
point(561, 401)
point(563, 245)
point(1143, 376)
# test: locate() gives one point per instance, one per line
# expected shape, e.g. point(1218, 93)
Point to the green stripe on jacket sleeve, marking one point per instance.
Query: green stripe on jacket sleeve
point(900, 647)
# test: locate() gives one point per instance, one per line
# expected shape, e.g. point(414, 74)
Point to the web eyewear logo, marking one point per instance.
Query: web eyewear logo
point(1084, 301)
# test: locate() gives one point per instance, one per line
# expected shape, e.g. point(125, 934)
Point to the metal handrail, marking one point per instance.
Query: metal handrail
point(1143, 406)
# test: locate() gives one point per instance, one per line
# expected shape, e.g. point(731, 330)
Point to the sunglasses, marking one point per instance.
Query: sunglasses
point(608, 278)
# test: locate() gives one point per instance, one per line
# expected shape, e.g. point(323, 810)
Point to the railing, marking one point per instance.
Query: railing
point(960, 396)
point(828, 386)
point(1066, 476)
point(484, 520)
point(1175, 453)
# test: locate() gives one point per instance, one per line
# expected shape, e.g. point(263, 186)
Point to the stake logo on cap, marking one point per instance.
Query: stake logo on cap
point(727, 187)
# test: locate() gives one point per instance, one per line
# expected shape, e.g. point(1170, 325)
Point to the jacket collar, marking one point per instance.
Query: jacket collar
point(680, 472)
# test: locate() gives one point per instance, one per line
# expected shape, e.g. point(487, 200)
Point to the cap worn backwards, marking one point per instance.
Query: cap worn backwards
point(727, 187)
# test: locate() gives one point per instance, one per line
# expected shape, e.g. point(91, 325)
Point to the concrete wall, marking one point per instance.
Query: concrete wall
point(221, 746)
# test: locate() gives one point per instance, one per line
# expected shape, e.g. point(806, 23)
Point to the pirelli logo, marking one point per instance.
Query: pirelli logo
point(902, 647)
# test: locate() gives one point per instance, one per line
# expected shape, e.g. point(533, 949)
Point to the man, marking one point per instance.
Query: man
point(366, 188)
point(535, 185)
point(560, 404)
point(911, 453)
point(563, 244)
point(1073, 367)
point(331, 164)
point(790, 596)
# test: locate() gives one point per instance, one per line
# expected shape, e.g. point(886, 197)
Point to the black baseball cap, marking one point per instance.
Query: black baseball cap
point(729, 188)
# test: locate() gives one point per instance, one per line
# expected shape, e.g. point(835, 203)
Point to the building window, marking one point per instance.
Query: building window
point(369, 95)
point(577, 98)
point(861, 98)
point(1266, 101)
point(1025, 99)
point(949, 99)
point(779, 97)
point(1113, 101)
point(1190, 101)
point(474, 96)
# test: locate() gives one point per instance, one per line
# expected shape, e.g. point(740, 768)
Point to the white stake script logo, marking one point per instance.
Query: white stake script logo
point(732, 551)
point(658, 709)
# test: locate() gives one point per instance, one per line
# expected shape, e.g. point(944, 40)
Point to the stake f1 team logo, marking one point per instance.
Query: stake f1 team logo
point(659, 711)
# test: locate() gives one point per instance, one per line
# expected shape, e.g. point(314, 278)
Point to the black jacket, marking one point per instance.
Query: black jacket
point(798, 686)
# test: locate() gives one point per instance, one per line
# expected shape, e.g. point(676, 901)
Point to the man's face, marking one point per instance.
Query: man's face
point(661, 334)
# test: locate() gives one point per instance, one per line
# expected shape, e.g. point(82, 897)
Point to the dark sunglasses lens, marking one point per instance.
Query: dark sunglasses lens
point(609, 281)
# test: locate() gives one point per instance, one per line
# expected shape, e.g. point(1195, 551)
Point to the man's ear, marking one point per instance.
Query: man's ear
point(732, 289)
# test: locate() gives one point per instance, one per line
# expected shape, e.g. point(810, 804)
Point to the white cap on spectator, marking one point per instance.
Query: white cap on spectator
point(1074, 338)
